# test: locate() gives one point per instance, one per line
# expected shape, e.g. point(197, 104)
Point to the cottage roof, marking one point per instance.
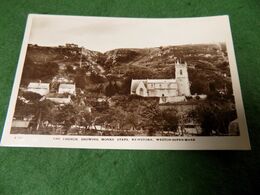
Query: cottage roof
point(67, 86)
point(56, 95)
point(39, 85)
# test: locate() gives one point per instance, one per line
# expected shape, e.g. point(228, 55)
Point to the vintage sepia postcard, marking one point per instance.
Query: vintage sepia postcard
point(127, 83)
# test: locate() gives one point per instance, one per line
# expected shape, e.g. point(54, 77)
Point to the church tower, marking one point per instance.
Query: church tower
point(182, 79)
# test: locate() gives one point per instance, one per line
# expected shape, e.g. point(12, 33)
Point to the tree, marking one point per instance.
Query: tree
point(131, 119)
point(65, 117)
point(207, 117)
point(150, 116)
point(33, 97)
point(110, 90)
point(70, 69)
point(126, 86)
point(198, 86)
point(212, 86)
point(215, 117)
point(22, 108)
point(43, 71)
point(170, 119)
point(43, 112)
point(86, 120)
point(80, 81)
point(96, 78)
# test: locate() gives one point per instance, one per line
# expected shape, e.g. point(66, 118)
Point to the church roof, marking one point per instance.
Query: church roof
point(135, 82)
point(161, 81)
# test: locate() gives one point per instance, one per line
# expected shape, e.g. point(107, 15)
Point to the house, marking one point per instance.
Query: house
point(20, 123)
point(71, 45)
point(23, 122)
point(59, 99)
point(67, 88)
point(40, 88)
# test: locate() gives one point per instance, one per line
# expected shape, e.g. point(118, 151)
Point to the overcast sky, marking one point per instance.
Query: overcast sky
point(103, 34)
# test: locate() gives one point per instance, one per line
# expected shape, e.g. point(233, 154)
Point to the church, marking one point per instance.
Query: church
point(180, 86)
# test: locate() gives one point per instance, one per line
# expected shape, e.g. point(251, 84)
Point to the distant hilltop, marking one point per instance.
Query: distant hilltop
point(199, 56)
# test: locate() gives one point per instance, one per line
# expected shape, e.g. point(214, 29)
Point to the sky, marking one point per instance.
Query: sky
point(104, 34)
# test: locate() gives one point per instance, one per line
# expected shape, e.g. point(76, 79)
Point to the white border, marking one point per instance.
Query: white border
point(64, 141)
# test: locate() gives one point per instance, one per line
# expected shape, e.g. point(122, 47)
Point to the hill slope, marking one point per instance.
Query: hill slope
point(206, 63)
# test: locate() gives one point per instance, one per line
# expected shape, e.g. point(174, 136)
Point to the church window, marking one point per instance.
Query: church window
point(180, 72)
point(141, 92)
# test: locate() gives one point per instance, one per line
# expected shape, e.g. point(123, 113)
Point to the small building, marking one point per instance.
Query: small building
point(173, 99)
point(59, 98)
point(20, 123)
point(67, 88)
point(40, 88)
point(71, 45)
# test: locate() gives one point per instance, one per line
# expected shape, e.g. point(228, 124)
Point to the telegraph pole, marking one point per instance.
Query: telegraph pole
point(80, 61)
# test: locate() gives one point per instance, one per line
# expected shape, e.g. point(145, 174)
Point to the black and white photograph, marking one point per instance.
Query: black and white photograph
point(169, 81)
